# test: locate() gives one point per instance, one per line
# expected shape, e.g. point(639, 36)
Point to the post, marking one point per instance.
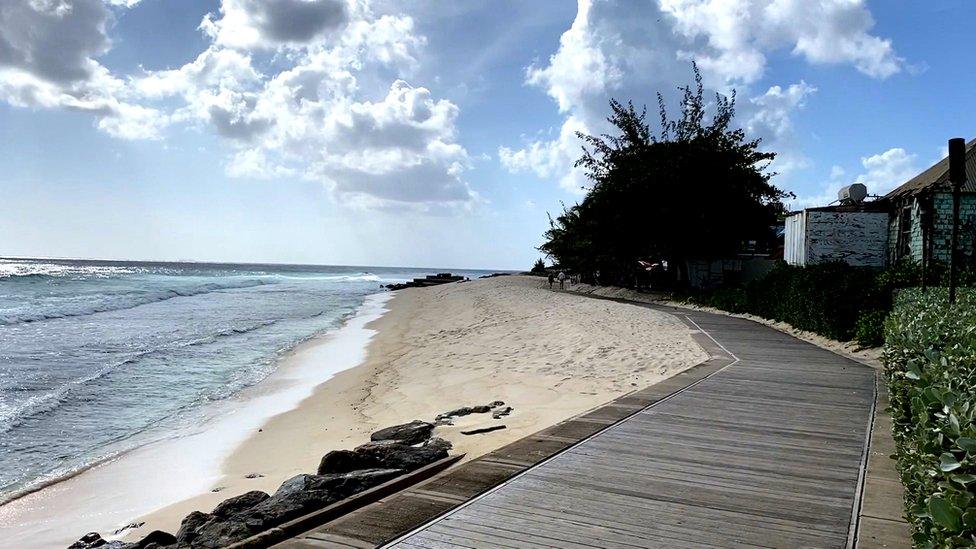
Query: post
point(957, 176)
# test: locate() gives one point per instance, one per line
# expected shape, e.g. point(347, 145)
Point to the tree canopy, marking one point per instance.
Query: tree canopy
point(697, 189)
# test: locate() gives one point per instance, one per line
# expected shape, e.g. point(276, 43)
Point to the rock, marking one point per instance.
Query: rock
point(305, 493)
point(384, 454)
point(253, 475)
point(483, 430)
point(217, 489)
point(497, 403)
point(501, 412)
point(89, 540)
point(239, 503)
point(189, 526)
point(130, 526)
point(438, 442)
point(464, 411)
point(217, 533)
point(341, 461)
point(414, 432)
point(156, 538)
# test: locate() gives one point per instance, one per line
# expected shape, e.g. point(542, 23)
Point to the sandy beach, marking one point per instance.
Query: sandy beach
point(550, 355)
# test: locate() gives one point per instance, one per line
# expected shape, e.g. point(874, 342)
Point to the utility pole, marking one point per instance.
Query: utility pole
point(957, 176)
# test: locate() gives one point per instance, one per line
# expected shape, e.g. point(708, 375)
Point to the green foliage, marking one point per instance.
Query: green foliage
point(930, 366)
point(834, 300)
point(696, 190)
point(869, 330)
point(539, 267)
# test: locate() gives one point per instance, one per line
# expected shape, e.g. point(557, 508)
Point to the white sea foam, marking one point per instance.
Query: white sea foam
point(108, 495)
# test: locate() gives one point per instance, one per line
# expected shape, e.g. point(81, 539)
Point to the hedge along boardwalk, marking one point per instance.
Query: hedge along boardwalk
point(767, 451)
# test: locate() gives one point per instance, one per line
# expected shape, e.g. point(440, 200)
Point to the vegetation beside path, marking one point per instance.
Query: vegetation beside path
point(930, 366)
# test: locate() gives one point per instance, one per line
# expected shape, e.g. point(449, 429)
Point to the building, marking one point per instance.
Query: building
point(920, 224)
point(855, 232)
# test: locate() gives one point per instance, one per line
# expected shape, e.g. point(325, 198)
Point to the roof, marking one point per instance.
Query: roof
point(937, 177)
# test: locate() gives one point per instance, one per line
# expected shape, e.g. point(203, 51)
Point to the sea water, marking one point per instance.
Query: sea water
point(98, 357)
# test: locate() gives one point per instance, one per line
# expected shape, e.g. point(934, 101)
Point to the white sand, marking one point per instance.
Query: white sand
point(550, 355)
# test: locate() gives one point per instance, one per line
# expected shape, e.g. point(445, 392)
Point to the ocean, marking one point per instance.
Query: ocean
point(99, 357)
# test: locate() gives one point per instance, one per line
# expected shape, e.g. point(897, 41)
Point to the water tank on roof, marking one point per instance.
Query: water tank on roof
point(853, 194)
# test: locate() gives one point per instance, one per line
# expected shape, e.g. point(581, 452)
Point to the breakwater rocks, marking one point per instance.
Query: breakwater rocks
point(390, 453)
point(429, 280)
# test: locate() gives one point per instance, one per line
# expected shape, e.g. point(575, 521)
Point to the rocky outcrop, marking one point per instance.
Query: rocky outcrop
point(188, 528)
point(384, 454)
point(156, 539)
point(414, 432)
point(296, 496)
point(240, 503)
point(391, 452)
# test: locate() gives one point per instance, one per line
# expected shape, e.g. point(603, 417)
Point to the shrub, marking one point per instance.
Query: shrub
point(870, 328)
point(930, 367)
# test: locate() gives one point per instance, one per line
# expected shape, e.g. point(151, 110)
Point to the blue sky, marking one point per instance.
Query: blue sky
point(426, 134)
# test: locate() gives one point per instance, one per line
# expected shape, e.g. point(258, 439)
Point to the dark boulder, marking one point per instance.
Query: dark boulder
point(239, 503)
point(89, 540)
point(218, 533)
point(384, 454)
point(188, 528)
point(156, 538)
point(414, 432)
point(304, 493)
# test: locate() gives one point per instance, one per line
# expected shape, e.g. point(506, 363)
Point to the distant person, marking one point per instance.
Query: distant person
point(551, 279)
point(562, 280)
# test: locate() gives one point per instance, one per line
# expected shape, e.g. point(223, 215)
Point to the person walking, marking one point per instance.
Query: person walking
point(562, 280)
point(551, 279)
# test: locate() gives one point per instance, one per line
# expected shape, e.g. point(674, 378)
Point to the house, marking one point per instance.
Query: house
point(854, 231)
point(920, 226)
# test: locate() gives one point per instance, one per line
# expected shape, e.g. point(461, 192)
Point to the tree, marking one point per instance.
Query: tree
point(697, 190)
point(539, 267)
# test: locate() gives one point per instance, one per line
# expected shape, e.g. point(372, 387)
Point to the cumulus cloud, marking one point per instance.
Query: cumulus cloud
point(295, 88)
point(48, 51)
point(736, 35)
point(266, 24)
point(882, 173)
point(630, 50)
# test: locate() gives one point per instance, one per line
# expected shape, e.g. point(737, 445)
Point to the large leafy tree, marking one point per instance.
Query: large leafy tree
point(698, 188)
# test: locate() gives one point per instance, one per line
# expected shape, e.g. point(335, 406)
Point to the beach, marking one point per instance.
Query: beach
point(549, 355)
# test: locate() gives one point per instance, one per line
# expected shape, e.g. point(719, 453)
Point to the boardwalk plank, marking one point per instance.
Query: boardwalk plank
point(765, 452)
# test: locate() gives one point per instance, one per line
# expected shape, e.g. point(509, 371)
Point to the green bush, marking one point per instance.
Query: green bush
point(830, 299)
point(870, 327)
point(930, 367)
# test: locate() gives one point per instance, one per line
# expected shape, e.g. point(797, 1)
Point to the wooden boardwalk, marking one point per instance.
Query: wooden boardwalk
point(767, 451)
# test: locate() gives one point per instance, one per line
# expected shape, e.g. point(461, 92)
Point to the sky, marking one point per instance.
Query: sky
point(428, 134)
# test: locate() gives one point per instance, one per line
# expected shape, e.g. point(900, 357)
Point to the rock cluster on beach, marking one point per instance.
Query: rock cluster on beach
point(390, 453)
point(429, 280)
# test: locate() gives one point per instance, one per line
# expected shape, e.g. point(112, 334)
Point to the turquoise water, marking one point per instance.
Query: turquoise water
point(98, 357)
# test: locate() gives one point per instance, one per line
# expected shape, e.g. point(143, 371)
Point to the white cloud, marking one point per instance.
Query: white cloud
point(630, 50)
point(48, 51)
point(736, 35)
point(772, 118)
point(883, 172)
point(296, 88)
point(267, 24)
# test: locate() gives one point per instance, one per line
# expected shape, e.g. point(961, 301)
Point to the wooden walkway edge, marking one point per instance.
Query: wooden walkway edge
point(764, 445)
